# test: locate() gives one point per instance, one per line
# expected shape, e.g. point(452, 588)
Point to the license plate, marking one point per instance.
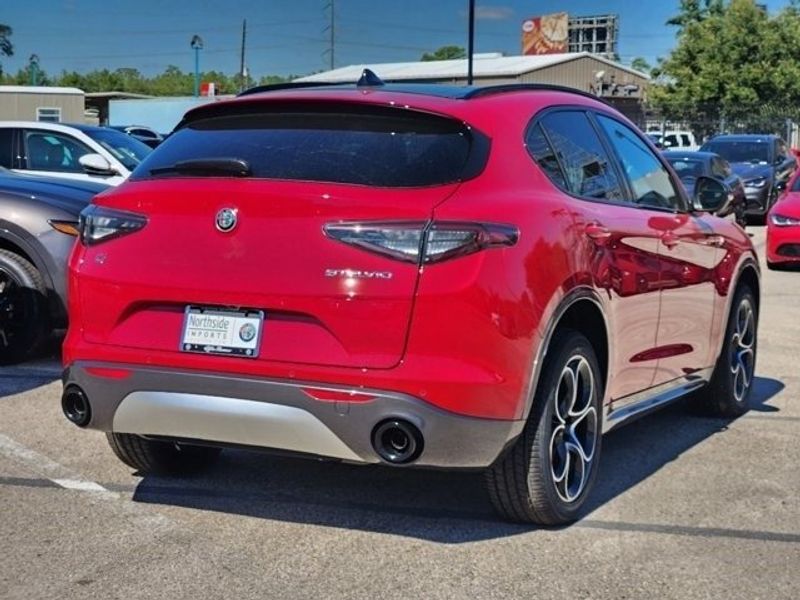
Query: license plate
point(220, 331)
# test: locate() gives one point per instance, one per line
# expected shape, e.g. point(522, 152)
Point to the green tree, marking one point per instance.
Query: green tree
point(732, 62)
point(640, 64)
point(445, 53)
point(6, 47)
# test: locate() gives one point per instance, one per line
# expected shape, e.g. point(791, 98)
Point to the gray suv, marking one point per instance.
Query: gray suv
point(764, 163)
point(38, 225)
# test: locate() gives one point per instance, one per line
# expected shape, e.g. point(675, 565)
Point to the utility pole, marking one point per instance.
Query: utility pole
point(242, 68)
point(331, 29)
point(471, 41)
point(197, 45)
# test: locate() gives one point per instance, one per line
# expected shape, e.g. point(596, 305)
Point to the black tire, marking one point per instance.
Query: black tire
point(23, 308)
point(732, 381)
point(522, 483)
point(160, 458)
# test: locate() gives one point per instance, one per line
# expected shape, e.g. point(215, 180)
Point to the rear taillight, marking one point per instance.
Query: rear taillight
point(100, 224)
point(423, 242)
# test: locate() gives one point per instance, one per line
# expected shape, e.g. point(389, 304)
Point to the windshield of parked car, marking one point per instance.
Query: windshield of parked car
point(687, 167)
point(740, 151)
point(127, 150)
point(386, 147)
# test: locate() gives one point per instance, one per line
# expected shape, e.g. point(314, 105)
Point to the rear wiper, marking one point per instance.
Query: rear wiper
point(233, 167)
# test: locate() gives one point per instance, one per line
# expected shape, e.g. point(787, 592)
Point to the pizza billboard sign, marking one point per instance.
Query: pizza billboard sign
point(548, 34)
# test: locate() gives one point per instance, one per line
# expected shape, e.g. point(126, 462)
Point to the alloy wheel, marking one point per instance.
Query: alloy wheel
point(742, 355)
point(10, 318)
point(575, 429)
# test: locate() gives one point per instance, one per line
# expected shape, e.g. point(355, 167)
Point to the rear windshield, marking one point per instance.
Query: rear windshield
point(375, 147)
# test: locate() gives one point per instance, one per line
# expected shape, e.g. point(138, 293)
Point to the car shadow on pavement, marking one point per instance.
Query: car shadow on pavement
point(442, 506)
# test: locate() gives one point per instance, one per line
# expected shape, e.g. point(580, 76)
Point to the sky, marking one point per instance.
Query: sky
point(290, 37)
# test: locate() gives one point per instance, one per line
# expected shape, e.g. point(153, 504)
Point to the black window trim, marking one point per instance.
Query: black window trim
point(591, 113)
point(536, 120)
point(681, 194)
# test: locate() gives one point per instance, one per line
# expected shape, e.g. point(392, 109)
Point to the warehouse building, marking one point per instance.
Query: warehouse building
point(620, 85)
point(39, 103)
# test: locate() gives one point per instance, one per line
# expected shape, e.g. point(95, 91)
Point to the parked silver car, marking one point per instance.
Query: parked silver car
point(38, 226)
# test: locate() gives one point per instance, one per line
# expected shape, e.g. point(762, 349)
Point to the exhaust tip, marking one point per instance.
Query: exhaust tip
point(397, 442)
point(76, 406)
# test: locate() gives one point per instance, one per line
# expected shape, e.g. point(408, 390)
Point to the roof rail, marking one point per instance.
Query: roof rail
point(289, 85)
point(491, 90)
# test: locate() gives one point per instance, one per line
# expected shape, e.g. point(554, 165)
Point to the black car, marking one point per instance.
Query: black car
point(691, 165)
point(141, 133)
point(38, 225)
point(762, 161)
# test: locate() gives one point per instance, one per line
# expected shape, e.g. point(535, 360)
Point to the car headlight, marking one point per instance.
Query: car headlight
point(758, 182)
point(783, 221)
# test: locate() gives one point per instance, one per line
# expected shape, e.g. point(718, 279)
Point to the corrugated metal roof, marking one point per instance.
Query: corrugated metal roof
point(38, 89)
point(483, 66)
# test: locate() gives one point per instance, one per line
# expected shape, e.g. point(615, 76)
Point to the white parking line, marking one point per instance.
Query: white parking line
point(78, 484)
point(70, 480)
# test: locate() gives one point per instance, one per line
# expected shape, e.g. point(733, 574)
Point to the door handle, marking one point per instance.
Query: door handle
point(597, 233)
point(669, 239)
point(717, 241)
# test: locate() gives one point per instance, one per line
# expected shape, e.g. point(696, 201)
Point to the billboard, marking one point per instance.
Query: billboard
point(548, 34)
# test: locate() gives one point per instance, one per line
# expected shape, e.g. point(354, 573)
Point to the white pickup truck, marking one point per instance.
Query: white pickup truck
point(673, 139)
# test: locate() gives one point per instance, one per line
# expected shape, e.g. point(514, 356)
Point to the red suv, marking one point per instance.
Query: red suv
point(413, 275)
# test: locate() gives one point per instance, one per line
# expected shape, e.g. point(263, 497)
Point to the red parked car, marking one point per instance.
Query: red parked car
point(413, 275)
point(783, 227)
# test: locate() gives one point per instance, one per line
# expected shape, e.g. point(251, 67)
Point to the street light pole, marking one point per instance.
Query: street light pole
point(471, 41)
point(197, 45)
point(33, 67)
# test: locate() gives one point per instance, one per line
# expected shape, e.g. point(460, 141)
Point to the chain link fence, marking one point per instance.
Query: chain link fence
point(710, 121)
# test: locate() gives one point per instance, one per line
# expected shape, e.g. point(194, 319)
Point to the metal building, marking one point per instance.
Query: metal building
point(39, 103)
point(621, 85)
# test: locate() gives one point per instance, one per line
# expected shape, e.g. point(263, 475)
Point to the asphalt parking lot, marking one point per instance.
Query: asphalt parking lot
point(686, 507)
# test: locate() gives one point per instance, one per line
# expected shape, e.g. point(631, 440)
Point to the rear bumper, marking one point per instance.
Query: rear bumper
point(278, 414)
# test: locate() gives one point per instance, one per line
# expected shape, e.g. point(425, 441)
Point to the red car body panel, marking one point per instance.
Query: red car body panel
point(465, 335)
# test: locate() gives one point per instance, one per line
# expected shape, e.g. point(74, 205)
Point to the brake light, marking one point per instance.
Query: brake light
point(423, 242)
point(99, 224)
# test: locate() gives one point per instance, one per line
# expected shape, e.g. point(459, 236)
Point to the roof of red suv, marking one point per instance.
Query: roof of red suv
point(428, 96)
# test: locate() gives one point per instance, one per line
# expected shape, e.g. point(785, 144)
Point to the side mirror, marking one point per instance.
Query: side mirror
point(96, 164)
point(711, 195)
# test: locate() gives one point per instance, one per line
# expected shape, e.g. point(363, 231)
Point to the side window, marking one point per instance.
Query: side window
point(718, 168)
point(671, 141)
point(781, 150)
point(6, 150)
point(587, 170)
point(726, 167)
point(543, 153)
point(50, 151)
point(685, 141)
point(649, 180)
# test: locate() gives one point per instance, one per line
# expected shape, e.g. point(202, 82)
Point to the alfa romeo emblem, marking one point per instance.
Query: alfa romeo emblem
point(226, 219)
point(247, 332)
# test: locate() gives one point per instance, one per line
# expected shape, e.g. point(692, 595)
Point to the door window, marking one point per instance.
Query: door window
point(544, 154)
point(6, 149)
point(587, 170)
point(685, 141)
point(50, 151)
point(718, 168)
point(648, 178)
